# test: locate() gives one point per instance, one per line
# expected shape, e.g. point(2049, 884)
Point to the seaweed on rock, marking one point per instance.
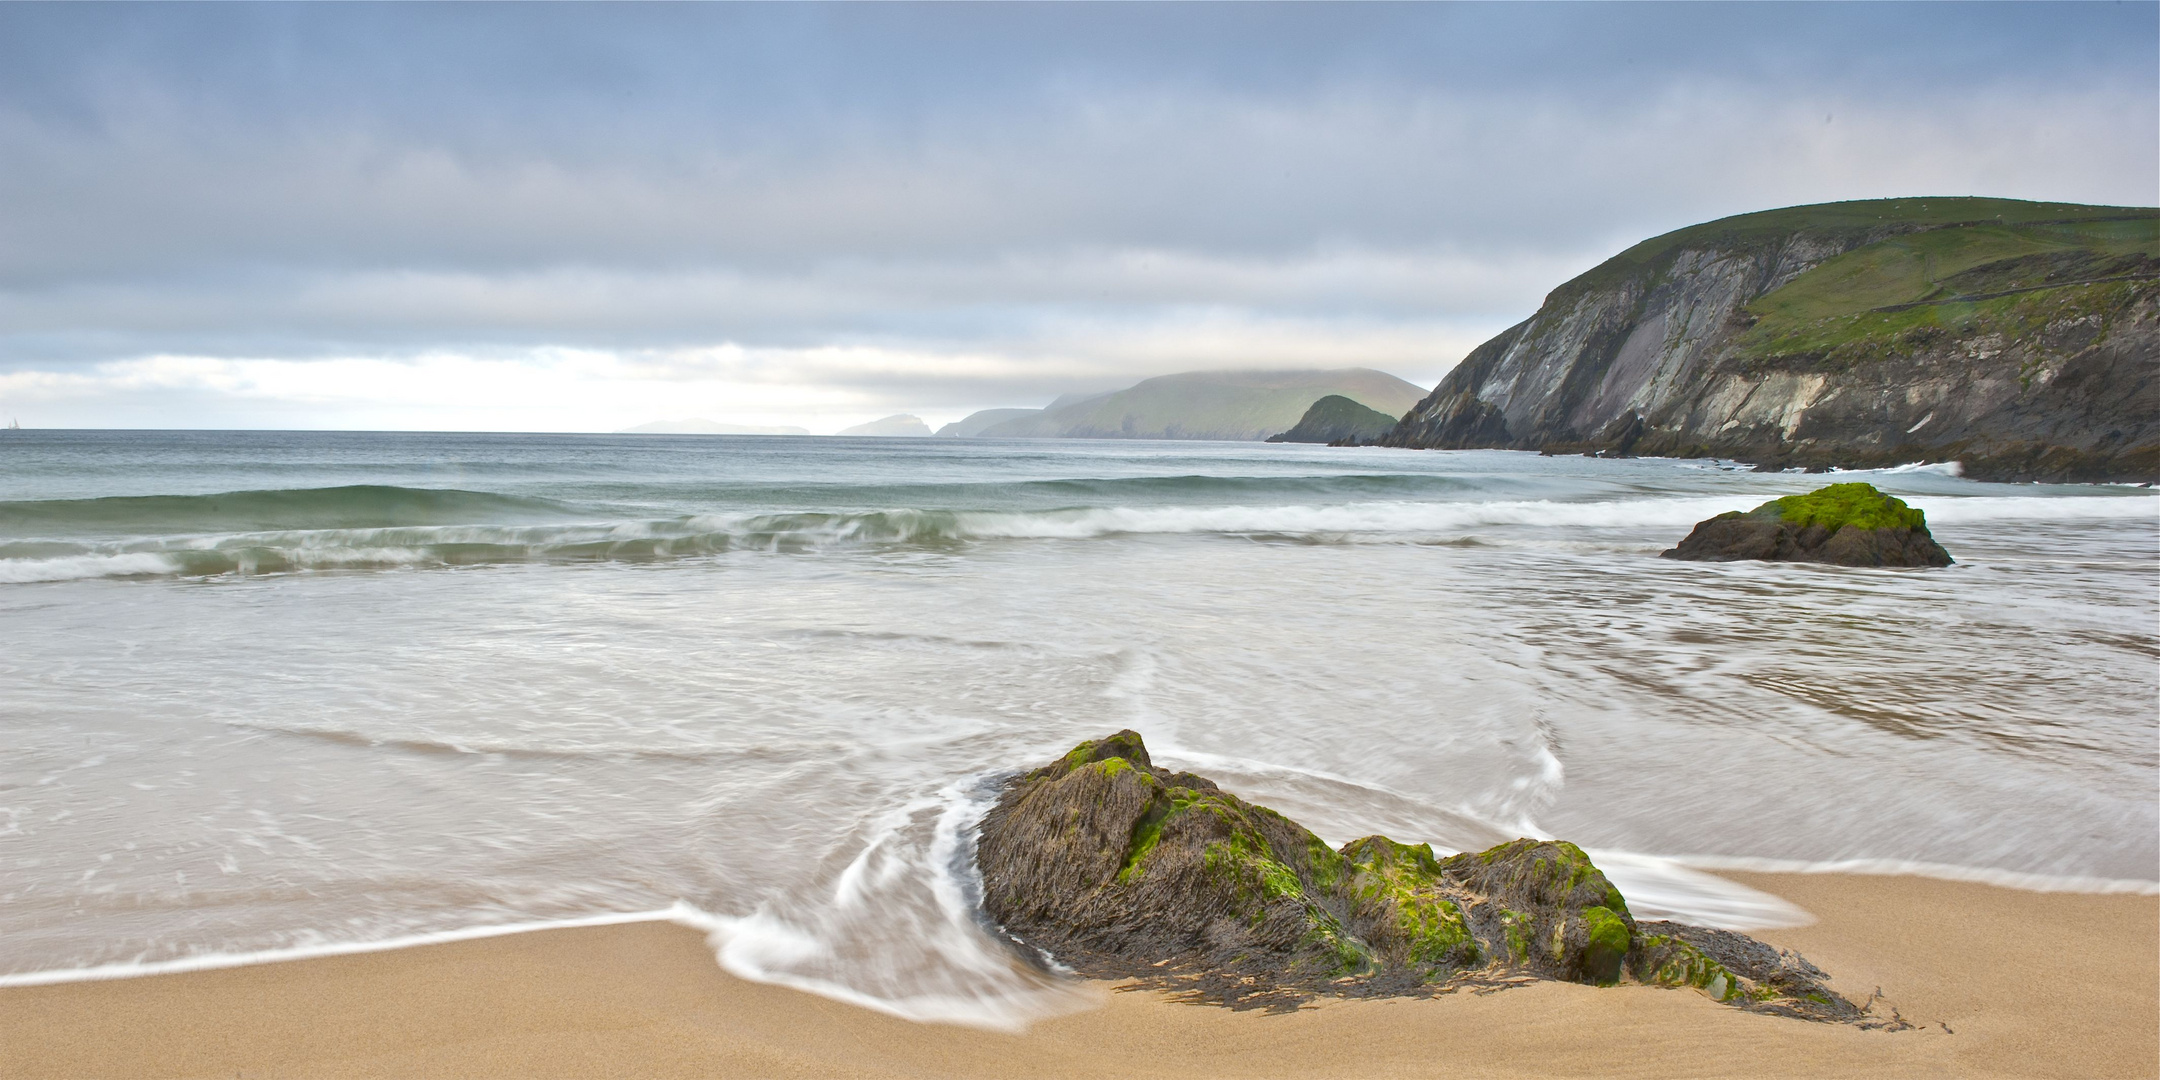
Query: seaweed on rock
point(1842, 524)
point(1122, 870)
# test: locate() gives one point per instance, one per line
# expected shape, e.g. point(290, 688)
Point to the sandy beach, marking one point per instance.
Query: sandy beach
point(1997, 982)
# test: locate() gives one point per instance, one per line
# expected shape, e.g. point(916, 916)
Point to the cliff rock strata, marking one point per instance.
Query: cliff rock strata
point(2021, 339)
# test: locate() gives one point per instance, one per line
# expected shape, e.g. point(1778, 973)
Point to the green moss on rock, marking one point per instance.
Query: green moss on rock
point(1401, 885)
point(1679, 964)
point(1838, 505)
point(1842, 524)
point(1610, 939)
point(1120, 869)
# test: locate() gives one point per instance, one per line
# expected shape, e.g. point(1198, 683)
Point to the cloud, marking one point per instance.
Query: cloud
point(997, 203)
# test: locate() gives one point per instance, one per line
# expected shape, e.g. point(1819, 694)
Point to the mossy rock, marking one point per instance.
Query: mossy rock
point(1122, 870)
point(1839, 505)
point(1842, 524)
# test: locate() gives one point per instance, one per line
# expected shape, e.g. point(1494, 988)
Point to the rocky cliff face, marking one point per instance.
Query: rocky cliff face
point(2021, 339)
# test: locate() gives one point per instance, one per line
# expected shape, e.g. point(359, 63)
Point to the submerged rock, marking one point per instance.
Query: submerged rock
point(1843, 524)
point(1118, 869)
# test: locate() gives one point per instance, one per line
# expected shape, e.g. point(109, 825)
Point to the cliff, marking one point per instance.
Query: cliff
point(2022, 339)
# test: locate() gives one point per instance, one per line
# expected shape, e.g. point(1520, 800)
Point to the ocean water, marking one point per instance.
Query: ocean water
point(285, 693)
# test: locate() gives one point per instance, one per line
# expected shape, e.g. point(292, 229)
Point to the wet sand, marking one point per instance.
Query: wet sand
point(1999, 983)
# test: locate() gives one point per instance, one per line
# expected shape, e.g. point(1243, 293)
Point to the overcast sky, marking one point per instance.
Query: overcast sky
point(494, 217)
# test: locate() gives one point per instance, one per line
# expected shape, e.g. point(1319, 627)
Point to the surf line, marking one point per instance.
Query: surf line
point(680, 913)
point(1977, 875)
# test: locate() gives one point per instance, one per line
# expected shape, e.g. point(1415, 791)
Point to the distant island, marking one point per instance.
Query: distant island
point(1225, 405)
point(2019, 338)
point(900, 425)
point(706, 427)
point(1336, 419)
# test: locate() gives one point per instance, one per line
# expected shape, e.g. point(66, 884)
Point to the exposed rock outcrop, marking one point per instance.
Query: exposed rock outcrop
point(1337, 421)
point(2021, 339)
point(1119, 869)
point(1843, 524)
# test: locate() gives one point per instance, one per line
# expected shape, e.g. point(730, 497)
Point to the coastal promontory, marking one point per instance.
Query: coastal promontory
point(2021, 339)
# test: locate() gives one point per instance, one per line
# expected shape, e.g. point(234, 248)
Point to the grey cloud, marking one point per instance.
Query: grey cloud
point(1089, 189)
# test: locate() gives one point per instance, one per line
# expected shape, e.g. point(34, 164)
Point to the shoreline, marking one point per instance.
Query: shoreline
point(681, 914)
point(1996, 981)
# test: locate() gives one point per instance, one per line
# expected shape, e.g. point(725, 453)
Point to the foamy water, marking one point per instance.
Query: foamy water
point(271, 695)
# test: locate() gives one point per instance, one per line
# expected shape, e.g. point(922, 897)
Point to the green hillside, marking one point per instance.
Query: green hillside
point(1336, 418)
point(1232, 405)
point(1966, 281)
point(1769, 229)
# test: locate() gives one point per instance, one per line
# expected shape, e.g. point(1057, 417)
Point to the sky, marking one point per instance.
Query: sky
point(579, 218)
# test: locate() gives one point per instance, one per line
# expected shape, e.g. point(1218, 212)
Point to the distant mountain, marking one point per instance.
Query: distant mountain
point(1337, 419)
point(2019, 338)
point(696, 426)
point(1227, 405)
point(898, 425)
point(975, 422)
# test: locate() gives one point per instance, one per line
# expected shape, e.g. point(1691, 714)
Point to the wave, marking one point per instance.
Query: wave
point(1388, 521)
point(682, 914)
point(673, 538)
point(1960, 509)
point(900, 928)
point(362, 506)
point(1937, 468)
point(349, 507)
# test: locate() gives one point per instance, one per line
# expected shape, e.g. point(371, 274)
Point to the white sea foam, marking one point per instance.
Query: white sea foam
point(78, 567)
point(1381, 518)
point(911, 893)
point(1960, 509)
point(1378, 521)
point(682, 914)
point(1939, 468)
point(1660, 888)
point(2008, 879)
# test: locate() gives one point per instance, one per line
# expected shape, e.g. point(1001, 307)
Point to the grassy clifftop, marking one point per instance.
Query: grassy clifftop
point(1971, 281)
point(1856, 220)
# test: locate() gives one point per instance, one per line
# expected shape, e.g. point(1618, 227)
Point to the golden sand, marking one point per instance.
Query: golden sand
point(1998, 982)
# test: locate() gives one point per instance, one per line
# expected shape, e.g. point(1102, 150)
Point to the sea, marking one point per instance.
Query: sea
point(281, 694)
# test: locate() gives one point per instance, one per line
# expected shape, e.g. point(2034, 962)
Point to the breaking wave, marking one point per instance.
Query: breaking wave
point(350, 506)
point(58, 557)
